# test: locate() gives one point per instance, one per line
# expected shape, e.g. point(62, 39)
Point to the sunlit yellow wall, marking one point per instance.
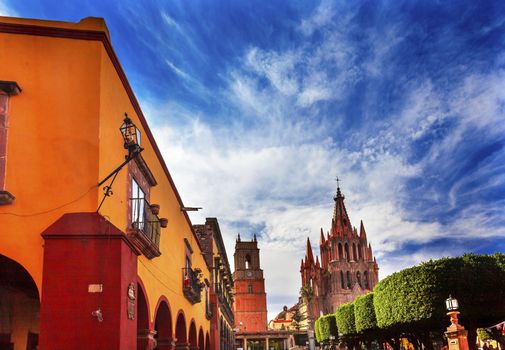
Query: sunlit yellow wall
point(161, 275)
point(52, 148)
point(64, 128)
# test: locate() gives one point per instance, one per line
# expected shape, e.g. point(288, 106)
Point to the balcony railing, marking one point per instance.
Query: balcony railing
point(144, 232)
point(191, 286)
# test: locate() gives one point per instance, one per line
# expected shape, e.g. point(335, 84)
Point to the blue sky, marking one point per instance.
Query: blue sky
point(258, 106)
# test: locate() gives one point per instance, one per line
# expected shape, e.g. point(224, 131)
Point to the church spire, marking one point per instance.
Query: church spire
point(308, 255)
point(362, 233)
point(322, 237)
point(341, 225)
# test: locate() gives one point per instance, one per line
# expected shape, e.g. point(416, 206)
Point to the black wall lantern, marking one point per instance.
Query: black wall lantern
point(131, 135)
point(131, 138)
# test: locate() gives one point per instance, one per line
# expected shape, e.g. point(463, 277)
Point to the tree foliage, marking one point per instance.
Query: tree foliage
point(364, 313)
point(306, 292)
point(316, 330)
point(484, 334)
point(345, 319)
point(415, 297)
point(327, 326)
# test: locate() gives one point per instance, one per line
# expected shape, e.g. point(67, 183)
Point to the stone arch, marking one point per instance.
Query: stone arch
point(180, 332)
point(349, 281)
point(201, 340)
point(346, 249)
point(360, 251)
point(358, 278)
point(207, 341)
point(366, 283)
point(342, 279)
point(163, 325)
point(354, 255)
point(20, 293)
point(143, 332)
point(340, 253)
point(192, 337)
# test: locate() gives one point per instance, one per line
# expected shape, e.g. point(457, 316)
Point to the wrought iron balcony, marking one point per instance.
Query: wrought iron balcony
point(144, 232)
point(191, 286)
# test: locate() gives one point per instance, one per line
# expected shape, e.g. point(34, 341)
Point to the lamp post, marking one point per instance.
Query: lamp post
point(456, 333)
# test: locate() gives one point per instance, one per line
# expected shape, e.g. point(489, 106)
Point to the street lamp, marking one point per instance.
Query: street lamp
point(456, 333)
point(451, 303)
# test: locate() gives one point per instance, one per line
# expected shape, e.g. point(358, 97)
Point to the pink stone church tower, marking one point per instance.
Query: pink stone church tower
point(347, 267)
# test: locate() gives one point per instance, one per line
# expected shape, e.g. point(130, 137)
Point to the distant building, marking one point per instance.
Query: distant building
point(250, 296)
point(221, 285)
point(291, 319)
point(347, 268)
point(251, 302)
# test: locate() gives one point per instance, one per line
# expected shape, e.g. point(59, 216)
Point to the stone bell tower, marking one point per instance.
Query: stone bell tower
point(250, 307)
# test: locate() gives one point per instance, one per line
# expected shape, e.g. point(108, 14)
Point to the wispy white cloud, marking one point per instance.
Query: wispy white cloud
point(322, 15)
point(272, 169)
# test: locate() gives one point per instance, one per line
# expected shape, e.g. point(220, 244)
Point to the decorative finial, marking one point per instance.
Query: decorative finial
point(254, 238)
point(238, 238)
point(339, 194)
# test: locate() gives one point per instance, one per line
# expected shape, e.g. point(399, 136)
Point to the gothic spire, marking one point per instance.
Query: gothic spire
point(340, 222)
point(308, 255)
point(317, 262)
point(362, 233)
point(322, 237)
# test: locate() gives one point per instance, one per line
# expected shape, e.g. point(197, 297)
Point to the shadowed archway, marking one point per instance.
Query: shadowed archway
point(192, 339)
point(180, 332)
point(143, 331)
point(201, 342)
point(19, 301)
point(163, 326)
point(207, 341)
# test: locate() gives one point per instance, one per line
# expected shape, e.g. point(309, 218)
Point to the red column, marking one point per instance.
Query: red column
point(88, 268)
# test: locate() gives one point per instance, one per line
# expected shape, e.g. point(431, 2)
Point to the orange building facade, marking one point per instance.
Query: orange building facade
point(88, 263)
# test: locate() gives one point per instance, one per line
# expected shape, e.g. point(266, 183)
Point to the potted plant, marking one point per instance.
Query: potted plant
point(155, 208)
point(163, 222)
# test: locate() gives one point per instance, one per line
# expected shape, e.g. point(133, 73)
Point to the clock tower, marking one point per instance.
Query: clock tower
point(250, 307)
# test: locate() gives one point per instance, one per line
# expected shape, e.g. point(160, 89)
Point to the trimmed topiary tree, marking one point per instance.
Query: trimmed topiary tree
point(414, 299)
point(327, 327)
point(364, 313)
point(345, 319)
point(316, 330)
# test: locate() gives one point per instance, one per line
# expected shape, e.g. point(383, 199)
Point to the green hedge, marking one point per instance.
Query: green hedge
point(345, 319)
point(327, 327)
point(364, 313)
point(416, 296)
point(316, 330)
